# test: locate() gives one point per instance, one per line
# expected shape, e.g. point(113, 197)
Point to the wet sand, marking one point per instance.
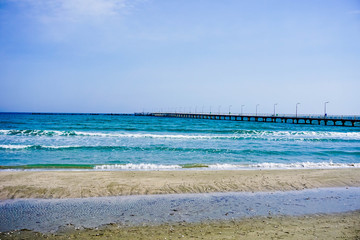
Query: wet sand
point(80, 184)
point(340, 226)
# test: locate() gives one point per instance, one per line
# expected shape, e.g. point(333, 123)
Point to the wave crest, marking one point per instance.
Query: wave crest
point(141, 166)
point(297, 165)
point(241, 134)
point(19, 147)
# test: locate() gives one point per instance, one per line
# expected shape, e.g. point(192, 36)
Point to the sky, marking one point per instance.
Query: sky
point(124, 56)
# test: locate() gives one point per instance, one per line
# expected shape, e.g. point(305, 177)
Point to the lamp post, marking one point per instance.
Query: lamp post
point(210, 109)
point(195, 109)
point(242, 109)
point(274, 108)
point(257, 108)
point(297, 108)
point(219, 109)
point(230, 109)
point(325, 109)
point(202, 109)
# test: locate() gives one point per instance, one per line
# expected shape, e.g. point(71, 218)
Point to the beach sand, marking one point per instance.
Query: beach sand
point(74, 184)
point(78, 184)
point(339, 226)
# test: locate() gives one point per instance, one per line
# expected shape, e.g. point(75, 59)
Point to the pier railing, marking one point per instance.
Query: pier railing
point(336, 120)
point(317, 116)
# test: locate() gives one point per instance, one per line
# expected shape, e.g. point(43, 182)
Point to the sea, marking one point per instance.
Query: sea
point(102, 142)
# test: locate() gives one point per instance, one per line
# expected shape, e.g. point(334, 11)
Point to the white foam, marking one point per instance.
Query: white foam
point(296, 135)
point(36, 132)
point(60, 147)
point(245, 134)
point(147, 135)
point(15, 146)
point(35, 146)
point(314, 134)
point(141, 166)
point(296, 165)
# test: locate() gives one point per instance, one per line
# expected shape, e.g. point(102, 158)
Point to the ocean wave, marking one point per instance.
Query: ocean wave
point(296, 165)
point(98, 134)
point(14, 146)
point(159, 148)
point(28, 132)
point(20, 147)
point(197, 166)
point(141, 166)
point(241, 134)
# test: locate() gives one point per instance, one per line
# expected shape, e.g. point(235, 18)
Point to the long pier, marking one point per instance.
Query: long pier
point(333, 120)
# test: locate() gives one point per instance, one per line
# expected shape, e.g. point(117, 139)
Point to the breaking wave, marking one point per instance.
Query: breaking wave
point(20, 147)
point(241, 134)
point(196, 166)
point(157, 148)
point(141, 166)
point(297, 165)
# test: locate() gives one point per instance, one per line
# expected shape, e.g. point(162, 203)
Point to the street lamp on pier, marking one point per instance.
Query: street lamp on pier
point(230, 109)
point(242, 109)
point(325, 114)
point(297, 108)
point(274, 108)
point(257, 108)
point(219, 108)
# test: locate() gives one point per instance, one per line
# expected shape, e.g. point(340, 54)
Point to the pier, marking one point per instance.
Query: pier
point(333, 120)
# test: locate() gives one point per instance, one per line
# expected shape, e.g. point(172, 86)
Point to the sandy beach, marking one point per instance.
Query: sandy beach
point(339, 226)
point(78, 184)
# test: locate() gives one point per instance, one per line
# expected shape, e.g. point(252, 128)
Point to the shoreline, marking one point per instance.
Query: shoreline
point(171, 167)
point(82, 184)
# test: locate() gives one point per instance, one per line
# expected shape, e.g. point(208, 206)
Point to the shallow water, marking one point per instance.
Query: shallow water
point(46, 215)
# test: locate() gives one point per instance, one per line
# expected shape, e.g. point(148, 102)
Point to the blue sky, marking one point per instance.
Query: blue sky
point(129, 56)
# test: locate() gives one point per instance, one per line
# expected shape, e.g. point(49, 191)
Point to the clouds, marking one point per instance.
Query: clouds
point(73, 13)
point(71, 22)
point(147, 53)
point(72, 10)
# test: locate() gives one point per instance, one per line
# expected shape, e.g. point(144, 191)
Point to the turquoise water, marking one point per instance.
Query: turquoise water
point(143, 142)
